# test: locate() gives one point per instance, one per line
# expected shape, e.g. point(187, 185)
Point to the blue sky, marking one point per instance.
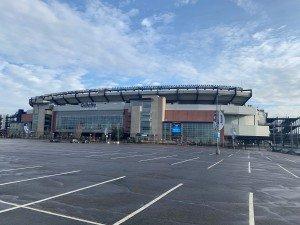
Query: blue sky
point(57, 45)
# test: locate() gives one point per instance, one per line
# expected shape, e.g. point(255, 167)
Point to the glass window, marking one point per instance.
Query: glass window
point(197, 132)
point(68, 121)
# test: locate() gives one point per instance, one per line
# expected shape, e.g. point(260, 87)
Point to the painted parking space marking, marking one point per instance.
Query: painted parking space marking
point(289, 160)
point(51, 213)
point(21, 168)
point(100, 155)
point(147, 205)
point(251, 209)
point(68, 154)
point(60, 195)
point(132, 156)
point(249, 167)
point(268, 158)
point(287, 171)
point(187, 160)
point(163, 157)
point(40, 177)
point(215, 164)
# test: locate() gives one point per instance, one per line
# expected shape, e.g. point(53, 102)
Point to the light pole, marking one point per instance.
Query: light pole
point(233, 134)
point(118, 142)
point(218, 123)
point(292, 141)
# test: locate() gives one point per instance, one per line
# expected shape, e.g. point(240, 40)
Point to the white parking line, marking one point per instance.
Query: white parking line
point(22, 168)
point(230, 155)
point(268, 158)
point(147, 205)
point(214, 164)
point(131, 156)
point(249, 167)
point(41, 177)
point(66, 154)
point(163, 157)
point(59, 195)
point(287, 170)
point(251, 209)
point(187, 160)
point(290, 160)
point(115, 153)
point(52, 213)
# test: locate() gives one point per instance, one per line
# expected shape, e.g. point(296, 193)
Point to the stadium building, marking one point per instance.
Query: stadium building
point(183, 112)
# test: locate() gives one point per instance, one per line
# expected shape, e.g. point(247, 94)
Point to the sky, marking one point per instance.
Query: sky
point(58, 45)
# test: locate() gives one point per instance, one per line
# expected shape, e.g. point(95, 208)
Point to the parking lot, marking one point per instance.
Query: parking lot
point(64, 183)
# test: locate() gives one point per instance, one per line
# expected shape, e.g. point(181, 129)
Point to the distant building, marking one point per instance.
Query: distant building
point(284, 131)
point(2, 119)
point(183, 112)
point(2, 124)
point(18, 124)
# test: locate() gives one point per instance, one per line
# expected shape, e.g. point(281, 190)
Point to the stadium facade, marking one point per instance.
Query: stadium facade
point(183, 112)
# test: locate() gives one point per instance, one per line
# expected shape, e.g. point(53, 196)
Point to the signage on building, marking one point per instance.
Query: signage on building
point(218, 120)
point(176, 128)
point(216, 135)
point(88, 105)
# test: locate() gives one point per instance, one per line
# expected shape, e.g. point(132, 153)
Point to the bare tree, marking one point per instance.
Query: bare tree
point(78, 131)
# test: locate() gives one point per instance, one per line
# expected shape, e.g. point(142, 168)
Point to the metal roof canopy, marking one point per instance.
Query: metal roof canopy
point(191, 94)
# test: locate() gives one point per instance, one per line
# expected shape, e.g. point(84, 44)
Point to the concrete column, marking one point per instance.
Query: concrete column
point(158, 107)
point(135, 124)
point(38, 121)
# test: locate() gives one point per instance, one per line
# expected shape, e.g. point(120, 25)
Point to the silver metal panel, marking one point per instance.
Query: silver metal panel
point(59, 100)
point(200, 94)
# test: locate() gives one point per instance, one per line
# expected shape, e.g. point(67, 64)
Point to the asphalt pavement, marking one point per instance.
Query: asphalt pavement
point(64, 183)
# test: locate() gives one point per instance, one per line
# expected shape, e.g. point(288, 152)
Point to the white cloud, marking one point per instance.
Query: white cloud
point(185, 2)
point(47, 47)
point(18, 82)
point(146, 22)
point(283, 111)
point(164, 18)
point(133, 12)
point(185, 69)
point(248, 5)
point(124, 3)
point(55, 36)
point(260, 59)
point(262, 34)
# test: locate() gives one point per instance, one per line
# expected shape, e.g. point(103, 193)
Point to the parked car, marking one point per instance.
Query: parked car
point(275, 149)
point(55, 140)
point(285, 150)
point(294, 152)
point(74, 141)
